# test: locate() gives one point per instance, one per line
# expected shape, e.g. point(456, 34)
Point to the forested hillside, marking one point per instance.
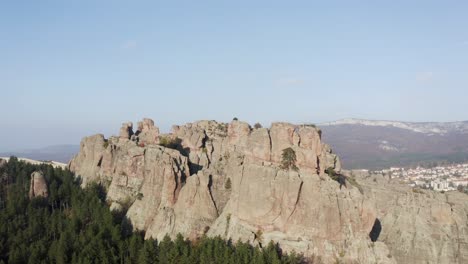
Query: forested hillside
point(75, 225)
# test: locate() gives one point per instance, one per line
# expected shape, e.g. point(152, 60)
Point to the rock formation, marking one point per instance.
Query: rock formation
point(419, 226)
point(223, 179)
point(126, 131)
point(147, 132)
point(2, 162)
point(38, 185)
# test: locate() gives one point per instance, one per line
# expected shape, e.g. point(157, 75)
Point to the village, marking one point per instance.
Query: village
point(441, 178)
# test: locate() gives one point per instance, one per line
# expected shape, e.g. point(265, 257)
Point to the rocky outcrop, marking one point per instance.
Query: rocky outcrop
point(126, 131)
point(143, 180)
point(147, 132)
point(38, 185)
point(419, 226)
point(88, 161)
point(227, 180)
point(2, 162)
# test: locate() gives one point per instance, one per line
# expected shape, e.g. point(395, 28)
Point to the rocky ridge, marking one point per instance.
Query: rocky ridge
point(224, 179)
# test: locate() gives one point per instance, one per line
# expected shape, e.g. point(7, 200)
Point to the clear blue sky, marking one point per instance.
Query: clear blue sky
point(74, 68)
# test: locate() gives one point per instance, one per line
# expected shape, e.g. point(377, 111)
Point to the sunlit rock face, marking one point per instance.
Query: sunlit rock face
point(38, 185)
point(227, 180)
point(418, 226)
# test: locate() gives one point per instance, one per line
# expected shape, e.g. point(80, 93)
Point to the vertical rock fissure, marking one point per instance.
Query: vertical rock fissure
point(276, 175)
point(318, 166)
point(299, 141)
point(339, 210)
point(271, 145)
point(176, 180)
point(240, 186)
point(210, 184)
point(297, 199)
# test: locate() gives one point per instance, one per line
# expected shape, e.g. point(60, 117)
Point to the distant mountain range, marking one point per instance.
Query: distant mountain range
point(375, 144)
point(60, 153)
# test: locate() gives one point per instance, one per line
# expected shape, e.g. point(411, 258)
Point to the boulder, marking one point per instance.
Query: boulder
point(38, 185)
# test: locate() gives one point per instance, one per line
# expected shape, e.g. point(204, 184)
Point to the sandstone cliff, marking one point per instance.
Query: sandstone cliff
point(226, 179)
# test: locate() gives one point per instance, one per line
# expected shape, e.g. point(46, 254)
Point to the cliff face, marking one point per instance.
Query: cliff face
point(419, 226)
point(226, 179)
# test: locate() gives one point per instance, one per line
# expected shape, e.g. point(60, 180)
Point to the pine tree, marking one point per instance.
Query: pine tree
point(258, 256)
point(148, 254)
point(272, 253)
point(289, 159)
point(228, 184)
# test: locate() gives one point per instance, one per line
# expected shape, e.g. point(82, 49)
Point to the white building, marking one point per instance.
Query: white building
point(463, 182)
point(440, 185)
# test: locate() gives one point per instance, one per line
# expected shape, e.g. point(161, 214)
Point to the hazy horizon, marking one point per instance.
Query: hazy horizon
point(72, 69)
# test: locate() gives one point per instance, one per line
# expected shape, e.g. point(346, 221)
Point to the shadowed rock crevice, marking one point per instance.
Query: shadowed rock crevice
point(195, 168)
point(376, 229)
point(297, 199)
point(318, 166)
point(210, 185)
point(100, 162)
